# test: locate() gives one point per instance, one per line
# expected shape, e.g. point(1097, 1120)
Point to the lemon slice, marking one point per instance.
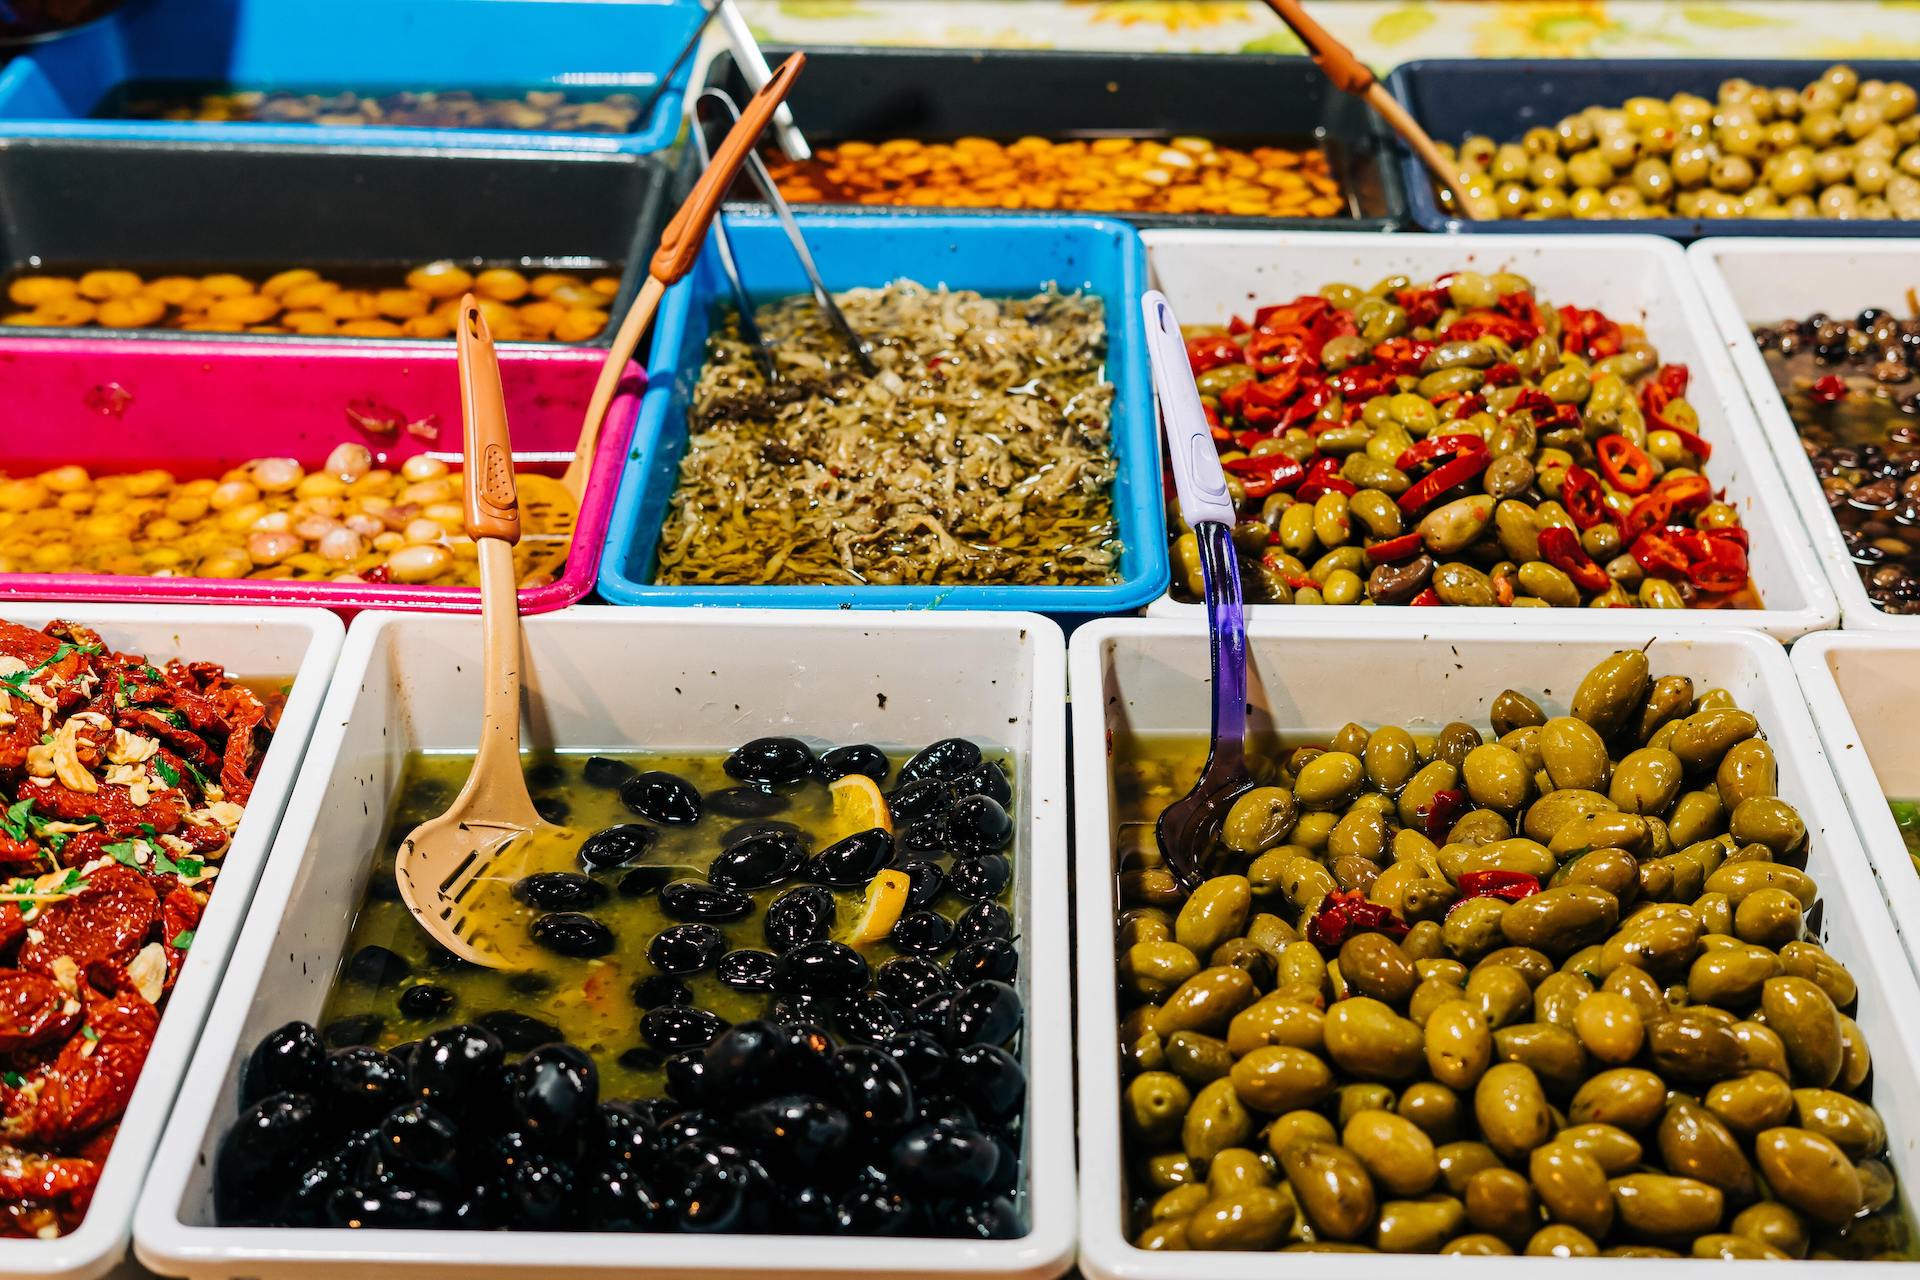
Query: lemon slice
point(886, 899)
point(858, 805)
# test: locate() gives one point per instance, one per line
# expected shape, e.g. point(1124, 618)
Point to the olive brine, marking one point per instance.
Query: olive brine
point(1552, 990)
point(751, 992)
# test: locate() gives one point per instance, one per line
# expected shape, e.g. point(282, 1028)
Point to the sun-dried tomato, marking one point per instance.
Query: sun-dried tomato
point(1323, 476)
point(1345, 913)
point(1828, 390)
point(1439, 814)
point(1561, 548)
point(1510, 886)
point(107, 920)
point(1213, 353)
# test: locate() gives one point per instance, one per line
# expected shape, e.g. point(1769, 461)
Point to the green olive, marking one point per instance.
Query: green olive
point(1770, 821)
point(1806, 960)
point(1331, 1187)
point(1276, 1020)
point(1512, 1109)
point(1252, 1218)
point(1761, 1048)
point(1278, 1078)
point(1560, 921)
point(1727, 1245)
point(1390, 759)
point(1771, 917)
point(1154, 970)
point(1669, 699)
point(1609, 1027)
point(1500, 1202)
point(1397, 1154)
point(1206, 1001)
point(1646, 781)
point(1197, 1058)
point(1573, 1187)
point(1574, 755)
point(1377, 511)
point(1731, 977)
point(1178, 1202)
point(1772, 1224)
point(1360, 833)
point(1367, 1039)
point(1810, 1173)
point(1449, 529)
point(1514, 710)
point(1329, 780)
point(1663, 1205)
point(1545, 816)
point(1170, 1234)
point(1617, 1150)
point(1552, 1053)
point(1607, 829)
point(1559, 1240)
point(1216, 1120)
point(1433, 778)
point(1612, 691)
point(1501, 994)
point(1696, 816)
point(1418, 1226)
point(1458, 1044)
point(1216, 911)
point(1558, 998)
point(1259, 820)
point(1628, 1098)
point(1377, 966)
point(1613, 870)
point(1157, 1103)
point(1694, 1143)
point(1517, 527)
point(1745, 771)
point(1496, 777)
point(1852, 1125)
point(1691, 1047)
point(1804, 1018)
point(1704, 737)
point(1299, 1126)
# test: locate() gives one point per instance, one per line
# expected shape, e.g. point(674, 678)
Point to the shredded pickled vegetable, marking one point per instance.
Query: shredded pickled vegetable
point(980, 454)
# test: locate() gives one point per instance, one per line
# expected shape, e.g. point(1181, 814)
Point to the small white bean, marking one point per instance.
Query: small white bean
point(341, 544)
point(277, 475)
point(424, 532)
point(417, 563)
point(427, 492)
point(388, 541)
point(349, 461)
point(423, 467)
point(365, 525)
point(274, 522)
point(450, 514)
point(271, 548)
point(231, 494)
point(315, 528)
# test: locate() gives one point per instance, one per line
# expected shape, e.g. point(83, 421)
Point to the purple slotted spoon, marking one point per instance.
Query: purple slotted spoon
point(1188, 827)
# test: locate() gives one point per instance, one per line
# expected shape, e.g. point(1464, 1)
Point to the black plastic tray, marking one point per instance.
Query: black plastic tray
point(90, 204)
point(879, 93)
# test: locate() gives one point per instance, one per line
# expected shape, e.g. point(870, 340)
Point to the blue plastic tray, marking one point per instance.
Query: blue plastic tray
point(363, 45)
point(1501, 98)
point(994, 254)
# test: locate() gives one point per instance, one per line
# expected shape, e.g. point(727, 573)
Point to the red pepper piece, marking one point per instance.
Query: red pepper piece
point(1510, 886)
point(1661, 554)
point(1364, 381)
point(1829, 389)
point(1468, 405)
point(1533, 400)
point(1262, 474)
point(1444, 477)
point(1692, 443)
point(1237, 326)
point(1344, 913)
point(1302, 311)
point(1589, 334)
point(1490, 324)
point(1214, 352)
point(1323, 477)
point(1427, 599)
point(1438, 815)
point(1423, 306)
point(1452, 445)
point(1523, 307)
point(1583, 497)
point(1561, 546)
point(1404, 355)
point(1500, 375)
point(1385, 552)
point(1625, 464)
point(1723, 566)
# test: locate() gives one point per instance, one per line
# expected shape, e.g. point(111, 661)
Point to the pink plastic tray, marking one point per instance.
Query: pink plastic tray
point(198, 408)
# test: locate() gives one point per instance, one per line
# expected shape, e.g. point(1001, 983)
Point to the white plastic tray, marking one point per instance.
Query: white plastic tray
point(278, 643)
point(1152, 676)
point(1211, 275)
point(626, 679)
point(1764, 281)
point(1862, 689)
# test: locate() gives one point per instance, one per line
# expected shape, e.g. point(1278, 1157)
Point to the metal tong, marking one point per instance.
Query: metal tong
point(770, 192)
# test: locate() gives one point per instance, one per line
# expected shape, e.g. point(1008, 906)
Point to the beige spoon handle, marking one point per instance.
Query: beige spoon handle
point(638, 317)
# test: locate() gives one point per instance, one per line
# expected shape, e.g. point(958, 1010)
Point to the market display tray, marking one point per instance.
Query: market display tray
point(363, 45)
point(1454, 98)
point(873, 94)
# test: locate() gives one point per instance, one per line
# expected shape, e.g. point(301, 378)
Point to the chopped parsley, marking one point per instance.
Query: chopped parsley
point(168, 774)
point(14, 1079)
point(199, 778)
point(86, 1029)
point(182, 940)
point(163, 864)
point(18, 681)
point(123, 853)
point(190, 867)
point(17, 819)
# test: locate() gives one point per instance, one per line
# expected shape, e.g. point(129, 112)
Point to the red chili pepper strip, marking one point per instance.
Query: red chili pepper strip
point(1660, 554)
point(1434, 446)
point(1323, 477)
point(1583, 497)
point(1266, 473)
point(1500, 375)
point(1625, 464)
point(1344, 913)
point(1722, 567)
point(1438, 815)
point(1510, 886)
point(1692, 443)
point(1829, 390)
point(1561, 546)
point(1214, 352)
point(1426, 599)
point(1407, 544)
point(1444, 477)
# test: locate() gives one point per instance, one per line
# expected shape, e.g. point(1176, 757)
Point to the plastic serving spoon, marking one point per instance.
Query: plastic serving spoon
point(1187, 827)
point(443, 863)
point(679, 248)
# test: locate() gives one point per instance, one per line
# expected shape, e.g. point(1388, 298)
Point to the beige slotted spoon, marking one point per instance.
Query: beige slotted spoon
point(446, 864)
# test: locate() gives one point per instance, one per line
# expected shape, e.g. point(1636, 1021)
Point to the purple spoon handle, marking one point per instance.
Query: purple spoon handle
point(1226, 623)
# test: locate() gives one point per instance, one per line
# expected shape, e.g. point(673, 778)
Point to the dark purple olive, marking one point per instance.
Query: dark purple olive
point(690, 1126)
point(421, 1136)
point(995, 958)
point(920, 1055)
point(982, 920)
point(541, 1192)
point(758, 861)
point(559, 891)
point(684, 949)
point(794, 1131)
point(985, 779)
point(288, 1059)
point(686, 1075)
point(746, 802)
point(392, 1206)
point(980, 879)
point(529, 983)
point(803, 1010)
point(920, 801)
point(800, 915)
point(990, 1080)
point(943, 1108)
point(748, 970)
point(926, 881)
point(806, 1209)
point(977, 825)
point(625, 1136)
point(926, 837)
point(618, 1198)
point(555, 1091)
point(907, 980)
point(660, 989)
point(929, 1014)
point(871, 1087)
point(641, 881)
point(604, 771)
point(948, 1161)
point(806, 1058)
point(747, 830)
point(922, 933)
point(260, 1153)
point(862, 758)
point(455, 1066)
point(824, 968)
point(673, 1028)
point(519, 1031)
point(377, 966)
point(571, 933)
point(984, 1013)
point(698, 900)
point(871, 1209)
point(770, 762)
point(867, 1017)
point(743, 1061)
point(994, 1219)
point(618, 846)
point(425, 1001)
point(363, 1084)
point(664, 798)
point(947, 760)
point(852, 861)
point(1006, 1174)
point(716, 1199)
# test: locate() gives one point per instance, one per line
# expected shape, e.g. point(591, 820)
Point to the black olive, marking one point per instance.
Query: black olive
point(930, 1014)
point(717, 1199)
point(800, 915)
point(687, 1082)
point(985, 1012)
point(920, 801)
point(978, 825)
point(672, 1028)
point(376, 966)
point(352, 1029)
point(872, 1087)
point(867, 1017)
point(684, 949)
point(456, 1066)
point(529, 983)
point(922, 1057)
point(982, 920)
point(382, 886)
point(1006, 1174)
point(518, 1031)
point(805, 1010)
point(979, 879)
point(806, 1059)
point(545, 774)
point(363, 1084)
point(852, 861)
point(994, 1219)
point(806, 1209)
point(922, 933)
point(555, 1090)
point(698, 900)
point(944, 1160)
point(422, 1137)
point(639, 1058)
point(907, 980)
point(794, 1131)
point(402, 1053)
point(747, 970)
point(665, 798)
point(926, 882)
point(626, 1136)
point(541, 1192)
point(425, 1001)
point(641, 881)
point(444, 961)
point(689, 1125)
point(553, 808)
point(313, 1185)
point(288, 1059)
point(928, 836)
point(618, 1198)
point(861, 758)
point(947, 760)
point(870, 1209)
point(746, 802)
point(995, 958)
point(570, 933)
point(271, 1140)
point(744, 1060)
point(559, 891)
point(748, 830)
point(391, 1206)
point(985, 779)
point(604, 771)
point(990, 1080)
point(943, 1108)
point(823, 968)
point(661, 989)
point(772, 762)
point(758, 861)
point(617, 846)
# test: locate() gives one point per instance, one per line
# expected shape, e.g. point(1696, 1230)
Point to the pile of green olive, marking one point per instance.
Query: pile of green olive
point(1842, 147)
point(1638, 1051)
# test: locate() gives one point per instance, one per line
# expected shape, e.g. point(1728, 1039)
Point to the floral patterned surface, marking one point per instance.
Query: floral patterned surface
point(1383, 32)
